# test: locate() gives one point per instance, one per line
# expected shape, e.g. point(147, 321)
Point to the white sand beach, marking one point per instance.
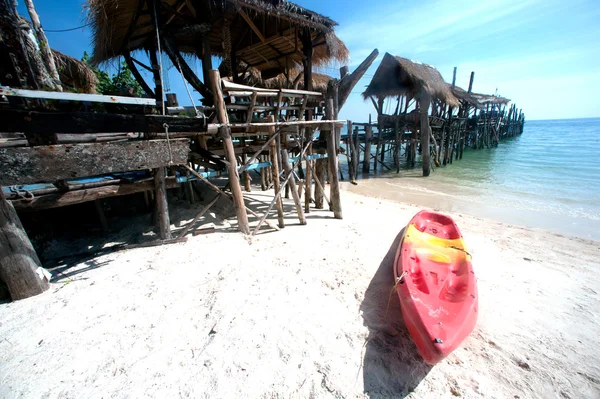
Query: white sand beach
point(301, 313)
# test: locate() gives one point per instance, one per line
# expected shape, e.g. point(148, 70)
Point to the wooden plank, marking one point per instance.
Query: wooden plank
point(57, 200)
point(55, 95)
point(227, 86)
point(92, 122)
point(23, 165)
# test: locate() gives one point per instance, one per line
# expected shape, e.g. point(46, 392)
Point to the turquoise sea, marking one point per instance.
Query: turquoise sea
point(549, 178)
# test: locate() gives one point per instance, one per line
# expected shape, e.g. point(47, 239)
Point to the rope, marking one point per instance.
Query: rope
point(185, 84)
point(15, 190)
point(398, 280)
point(168, 143)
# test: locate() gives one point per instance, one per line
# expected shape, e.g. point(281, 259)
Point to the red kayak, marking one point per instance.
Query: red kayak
point(437, 289)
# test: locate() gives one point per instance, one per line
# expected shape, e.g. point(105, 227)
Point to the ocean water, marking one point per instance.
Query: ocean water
point(549, 178)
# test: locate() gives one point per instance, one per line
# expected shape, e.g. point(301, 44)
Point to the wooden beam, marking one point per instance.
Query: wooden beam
point(180, 63)
point(348, 81)
point(23, 165)
point(57, 200)
point(55, 95)
point(92, 122)
point(138, 76)
point(251, 24)
point(19, 264)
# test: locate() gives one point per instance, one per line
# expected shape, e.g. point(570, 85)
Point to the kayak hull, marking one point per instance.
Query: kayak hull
point(436, 285)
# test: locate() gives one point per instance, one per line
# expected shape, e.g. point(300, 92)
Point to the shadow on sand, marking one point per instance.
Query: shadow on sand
point(392, 366)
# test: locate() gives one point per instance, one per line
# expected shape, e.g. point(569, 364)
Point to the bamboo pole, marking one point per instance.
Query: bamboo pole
point(275, 174)
point(234, 179)
point(44, 45)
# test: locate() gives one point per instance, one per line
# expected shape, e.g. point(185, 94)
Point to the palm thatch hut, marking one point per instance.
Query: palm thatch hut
point(292, 79)
point(270, 36)
point(397, 76)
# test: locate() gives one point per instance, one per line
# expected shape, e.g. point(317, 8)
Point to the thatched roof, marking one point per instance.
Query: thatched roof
point(74, 73)
point(484, 99)
point(121, 26)
point(464, 96)
point(476, 99)
point(398, 76)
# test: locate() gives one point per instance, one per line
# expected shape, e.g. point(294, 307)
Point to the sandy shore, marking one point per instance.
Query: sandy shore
point(302, 313)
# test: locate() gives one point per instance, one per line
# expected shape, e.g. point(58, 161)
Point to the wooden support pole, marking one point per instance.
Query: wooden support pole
point(182, 66)
point(285, 161)
point(199, 215)
point(163, 221)
point(234, 179)
point(19, 263)
point(206, 63)
point(352, 154)
point(44, 46)
point(332, 157)
point(397, 148)
point(367, 158)
point(320, 166)
point(138, 76)
point(158, 86)
point(245, 174)
point(425, 132)
point(275, 173)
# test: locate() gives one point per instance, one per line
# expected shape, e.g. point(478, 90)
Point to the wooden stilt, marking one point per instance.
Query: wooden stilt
point(19, 264)
point(425, 132)
point(285, 161)
point(367, 160)
point(263, 175)
point(234, 179)
point(162, 208)
point(246, 175)
point(332, 158)
point(320, 175)
point(101, 215)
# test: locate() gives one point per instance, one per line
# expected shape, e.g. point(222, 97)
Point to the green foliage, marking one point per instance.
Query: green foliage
point(122, 82)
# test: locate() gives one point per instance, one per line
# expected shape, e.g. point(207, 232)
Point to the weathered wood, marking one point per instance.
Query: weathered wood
point(44, 46)
point(245, 174)
point(207, 230)
point(15, 68)
point(54, 95)
point(19, 264)
point(348, 81)
point(425, 101)
point(353, 160)
point(92, 122)
point(22, 165)
point(275, 173)
point(234, 178)
point(138, 76)
point(158, 86)
point(163, 222)
point(367, 158)
point(320, 166)
point(292, 184)
point(332, 158)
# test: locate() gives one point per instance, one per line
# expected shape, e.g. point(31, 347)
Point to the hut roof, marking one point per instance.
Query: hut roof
point(399, 76)
point(266, 33)
point(484, 99)
point(75, 73)
point(464, 95)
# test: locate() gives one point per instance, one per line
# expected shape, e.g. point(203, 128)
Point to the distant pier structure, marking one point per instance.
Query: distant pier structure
point(417, 110)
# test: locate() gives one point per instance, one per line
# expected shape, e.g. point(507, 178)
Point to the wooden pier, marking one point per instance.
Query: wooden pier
point(454, 119)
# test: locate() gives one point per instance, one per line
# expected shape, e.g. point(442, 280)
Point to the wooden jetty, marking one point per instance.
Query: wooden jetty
point(57, 148)
point(411, 99)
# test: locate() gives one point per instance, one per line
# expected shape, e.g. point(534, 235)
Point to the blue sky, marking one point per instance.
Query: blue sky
point(544, 55)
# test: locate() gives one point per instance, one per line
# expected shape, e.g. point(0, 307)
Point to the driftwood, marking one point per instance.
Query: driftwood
point(23, 165)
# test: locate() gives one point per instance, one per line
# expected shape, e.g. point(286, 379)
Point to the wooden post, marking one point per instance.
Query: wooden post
point(425, 132)
point(352, 155)
point(19, 264)
point(357, 147)
point(206, 63)
point(245, 174)
point(263, 175)
point(45, 49)
point(454, 78)
point(162, 208)
point(158, 90)
point(332, 157)
point(397, 147)
point(275, 175)
point(320, 175)
point(285, 161)
point(224, 132)
point(367, 160)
